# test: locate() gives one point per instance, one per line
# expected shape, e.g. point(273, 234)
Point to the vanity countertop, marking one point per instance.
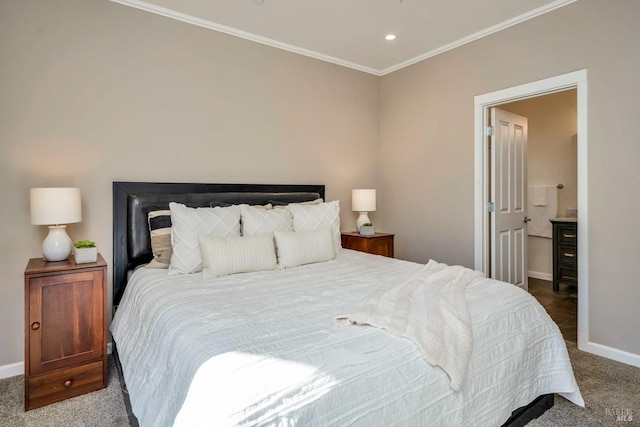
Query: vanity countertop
point(565, 219)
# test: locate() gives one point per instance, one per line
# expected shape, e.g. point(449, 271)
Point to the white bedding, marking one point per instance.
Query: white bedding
point(262, 349)
point(429, 308)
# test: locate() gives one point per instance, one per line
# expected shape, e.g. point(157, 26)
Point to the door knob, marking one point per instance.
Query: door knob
point(527, 219)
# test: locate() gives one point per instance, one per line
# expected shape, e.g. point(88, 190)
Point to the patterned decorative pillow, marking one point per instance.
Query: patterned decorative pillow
point(259, 220)
point(296, 248)
point(222, 256)
point(316, 217)
point(188, 224)
point(160, 230)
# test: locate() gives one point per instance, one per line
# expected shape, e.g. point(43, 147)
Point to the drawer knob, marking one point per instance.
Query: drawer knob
point(68, 383)
point(35, 326)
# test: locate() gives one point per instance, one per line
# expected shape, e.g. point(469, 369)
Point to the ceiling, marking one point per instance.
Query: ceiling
point(352, 32)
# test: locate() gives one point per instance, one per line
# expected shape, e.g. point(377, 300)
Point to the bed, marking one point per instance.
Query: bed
point(266, 347)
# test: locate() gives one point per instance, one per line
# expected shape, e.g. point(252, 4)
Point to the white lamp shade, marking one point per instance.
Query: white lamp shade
point(363, 200)
point(51, 206)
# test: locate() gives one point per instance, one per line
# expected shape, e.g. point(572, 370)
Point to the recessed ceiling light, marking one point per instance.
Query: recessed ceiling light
point(390, 37)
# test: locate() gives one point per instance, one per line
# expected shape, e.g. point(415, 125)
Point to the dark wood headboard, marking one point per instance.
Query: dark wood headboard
point(132, 201)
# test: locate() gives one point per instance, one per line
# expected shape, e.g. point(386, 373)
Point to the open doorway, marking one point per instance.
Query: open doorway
point(575, 80)
point(551, 169)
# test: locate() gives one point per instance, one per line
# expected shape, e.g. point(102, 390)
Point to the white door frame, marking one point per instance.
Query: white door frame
point(575, 80)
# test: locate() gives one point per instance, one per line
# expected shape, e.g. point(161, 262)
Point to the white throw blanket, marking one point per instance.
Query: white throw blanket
point(430, 309)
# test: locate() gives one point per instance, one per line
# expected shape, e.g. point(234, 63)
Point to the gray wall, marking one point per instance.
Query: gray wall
point(426, 146)
point(93, 91)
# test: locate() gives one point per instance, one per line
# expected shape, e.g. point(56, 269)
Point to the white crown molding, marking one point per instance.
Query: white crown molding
point(480, 34)
point(179, 16)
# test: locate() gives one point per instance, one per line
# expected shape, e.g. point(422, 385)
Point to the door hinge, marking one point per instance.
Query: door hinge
point(491, 207)
point(491, 130)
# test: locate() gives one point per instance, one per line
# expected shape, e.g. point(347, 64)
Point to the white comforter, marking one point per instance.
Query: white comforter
point(262, 349)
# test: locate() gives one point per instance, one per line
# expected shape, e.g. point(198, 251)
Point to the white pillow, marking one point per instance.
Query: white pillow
point(315, 217)
point(260, 220)
point(190, 223)
point(296, 248)
point(229, 255)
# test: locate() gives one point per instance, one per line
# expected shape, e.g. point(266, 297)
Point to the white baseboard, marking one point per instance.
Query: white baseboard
point(541, 276)
point(611, 353)
point(11, 370)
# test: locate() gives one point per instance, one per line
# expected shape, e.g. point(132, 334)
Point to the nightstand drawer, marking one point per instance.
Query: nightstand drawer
point(378, 244)
point(567, 255)
point(567, 236)
point(380, 247)
point(55, 386)
point(567, 274)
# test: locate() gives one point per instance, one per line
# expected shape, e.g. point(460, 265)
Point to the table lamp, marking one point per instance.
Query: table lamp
point(363, 201)
point(55, 207)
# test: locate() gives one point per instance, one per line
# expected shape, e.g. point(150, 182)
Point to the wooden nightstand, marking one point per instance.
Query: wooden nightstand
point(65, 345)
point(378, 244)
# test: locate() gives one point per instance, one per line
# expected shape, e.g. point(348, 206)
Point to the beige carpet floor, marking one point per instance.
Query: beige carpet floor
point(102, 408)
point(609, 389)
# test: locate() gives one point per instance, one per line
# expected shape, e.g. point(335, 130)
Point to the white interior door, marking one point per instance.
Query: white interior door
point(509, 195)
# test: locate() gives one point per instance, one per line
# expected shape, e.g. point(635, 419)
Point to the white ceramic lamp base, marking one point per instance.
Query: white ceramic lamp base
point(362, 219)
point(57, 246)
